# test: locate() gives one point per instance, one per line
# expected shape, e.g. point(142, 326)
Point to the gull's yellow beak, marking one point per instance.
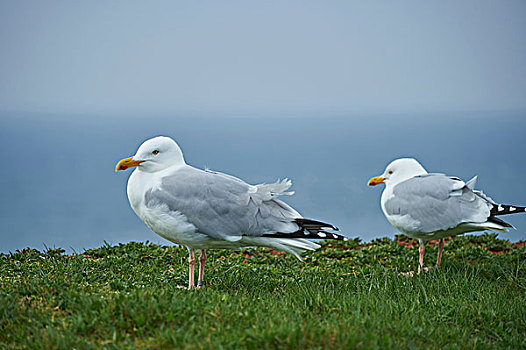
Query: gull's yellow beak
point(127, 163)
point(376, 181)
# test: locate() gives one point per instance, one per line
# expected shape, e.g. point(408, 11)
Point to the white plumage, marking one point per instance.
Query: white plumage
point(203, 209)
point(427, 206)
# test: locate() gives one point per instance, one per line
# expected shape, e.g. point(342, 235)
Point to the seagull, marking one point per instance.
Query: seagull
point(204, 209)
point(427, 206)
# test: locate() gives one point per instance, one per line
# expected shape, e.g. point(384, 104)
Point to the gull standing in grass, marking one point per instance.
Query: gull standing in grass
point(203, 209)
point(427, 206)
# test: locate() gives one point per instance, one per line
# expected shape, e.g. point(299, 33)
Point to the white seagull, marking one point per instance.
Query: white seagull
point(434, 206)
point(203, 209)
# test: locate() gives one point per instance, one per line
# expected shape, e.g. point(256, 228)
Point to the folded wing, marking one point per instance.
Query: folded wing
point(224, 207)
point(438, 202)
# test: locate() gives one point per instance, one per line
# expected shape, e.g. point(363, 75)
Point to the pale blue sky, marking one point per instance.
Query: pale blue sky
point(264, 56)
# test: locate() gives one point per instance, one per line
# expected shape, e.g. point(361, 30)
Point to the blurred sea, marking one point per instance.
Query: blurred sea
point(59, 189)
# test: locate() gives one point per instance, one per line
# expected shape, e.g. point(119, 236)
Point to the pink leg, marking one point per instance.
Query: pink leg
point(191, 265)
point(202, 260)
point(440, 248)
point(421, 251)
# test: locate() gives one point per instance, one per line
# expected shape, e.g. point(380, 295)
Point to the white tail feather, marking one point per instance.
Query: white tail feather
point(292, 246)
point(491, 226)
point(276, 189)
point(472, 183)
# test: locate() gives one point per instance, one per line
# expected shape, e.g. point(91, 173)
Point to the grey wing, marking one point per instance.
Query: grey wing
point(437, 202)
point(224, 207)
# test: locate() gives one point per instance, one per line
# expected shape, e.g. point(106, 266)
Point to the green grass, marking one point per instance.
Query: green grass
point(345, 295)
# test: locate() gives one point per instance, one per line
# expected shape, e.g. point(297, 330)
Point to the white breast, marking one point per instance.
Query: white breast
point(160, 219)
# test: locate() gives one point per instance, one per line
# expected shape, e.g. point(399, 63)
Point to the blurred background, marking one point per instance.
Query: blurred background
point(324, 93)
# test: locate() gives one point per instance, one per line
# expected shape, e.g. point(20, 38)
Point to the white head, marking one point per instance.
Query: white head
point(154, 155)
point(397, 171)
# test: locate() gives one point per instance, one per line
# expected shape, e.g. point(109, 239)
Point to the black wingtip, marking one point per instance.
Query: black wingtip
point(505, 209)
point(499, 222)
point(324, 235)
point(308, 235)
point(314, 224)
point(310, 229)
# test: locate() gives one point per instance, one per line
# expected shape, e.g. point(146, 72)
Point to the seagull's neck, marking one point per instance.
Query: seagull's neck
point(138, 184)
point(160, 173)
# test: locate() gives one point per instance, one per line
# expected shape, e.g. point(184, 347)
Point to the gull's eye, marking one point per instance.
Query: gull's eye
point(155, 152)
point(390, 172)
